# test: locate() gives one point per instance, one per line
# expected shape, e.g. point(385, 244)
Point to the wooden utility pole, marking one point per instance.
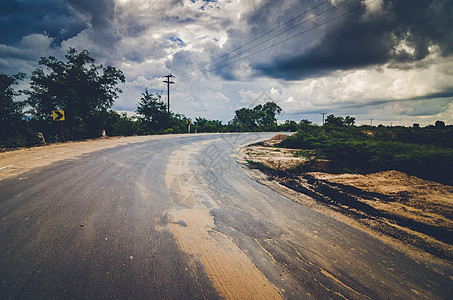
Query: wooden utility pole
point(168, 82)
point(323, 117)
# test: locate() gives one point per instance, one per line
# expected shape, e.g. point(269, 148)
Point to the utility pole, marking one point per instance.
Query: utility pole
point(168, 82)
point(323, 117)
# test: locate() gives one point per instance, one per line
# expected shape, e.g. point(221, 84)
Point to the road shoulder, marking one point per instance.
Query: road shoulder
point(421, 246)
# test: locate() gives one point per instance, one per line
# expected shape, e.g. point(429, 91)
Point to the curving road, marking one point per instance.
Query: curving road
point(179, 219)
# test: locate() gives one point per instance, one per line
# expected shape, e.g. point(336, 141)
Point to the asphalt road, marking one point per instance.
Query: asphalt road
point(179, 219)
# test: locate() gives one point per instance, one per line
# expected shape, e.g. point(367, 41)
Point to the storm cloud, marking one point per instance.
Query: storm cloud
point(379, 59)
point(395, 32)
point(53, 18)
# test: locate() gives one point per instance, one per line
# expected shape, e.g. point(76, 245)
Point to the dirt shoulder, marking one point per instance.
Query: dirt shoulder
point(412, 214)
point(18, 161)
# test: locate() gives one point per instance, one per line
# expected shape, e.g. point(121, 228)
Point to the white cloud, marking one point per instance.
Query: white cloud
point(149, 39)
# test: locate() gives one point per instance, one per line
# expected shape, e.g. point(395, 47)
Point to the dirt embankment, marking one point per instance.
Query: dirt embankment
point(410, 212)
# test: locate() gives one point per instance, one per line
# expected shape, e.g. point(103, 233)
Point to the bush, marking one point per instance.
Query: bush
point(403, 149)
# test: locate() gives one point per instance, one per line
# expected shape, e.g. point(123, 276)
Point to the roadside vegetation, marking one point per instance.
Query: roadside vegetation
point(366, 173)
point(86, 92)
point(423, 152)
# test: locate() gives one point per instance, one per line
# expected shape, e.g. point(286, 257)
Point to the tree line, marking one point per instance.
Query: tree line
point(86, 92)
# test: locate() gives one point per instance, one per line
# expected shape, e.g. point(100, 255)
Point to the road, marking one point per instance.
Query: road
point(179, 219)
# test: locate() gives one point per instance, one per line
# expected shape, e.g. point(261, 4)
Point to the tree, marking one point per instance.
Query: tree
point(334, 121)
point(331, 120)
point(349, 121)
point(290, 126)
point(14, 131)
point(268, 117)
point(205, 125)
point(440, 124)
point(263, 116)
point(154, 112)
point(9, 108)
point(305, 122)
point(245, 119)
point(78, 86)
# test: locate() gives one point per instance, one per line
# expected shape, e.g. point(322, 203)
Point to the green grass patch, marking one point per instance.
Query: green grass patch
point(363, 151)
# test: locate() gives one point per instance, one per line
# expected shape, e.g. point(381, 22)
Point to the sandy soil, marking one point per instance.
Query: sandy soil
point(194, 230)
point(276, 158)
point(413, 214)
point(414, 198)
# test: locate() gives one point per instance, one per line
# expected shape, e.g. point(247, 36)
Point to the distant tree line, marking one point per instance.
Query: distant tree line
point(86, 92)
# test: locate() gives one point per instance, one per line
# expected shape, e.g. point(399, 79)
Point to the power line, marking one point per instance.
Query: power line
point(262, 35)
point(285, 40)
point(188, 75)
point(168, 82)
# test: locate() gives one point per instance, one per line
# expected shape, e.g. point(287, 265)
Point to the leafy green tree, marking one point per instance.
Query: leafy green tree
point(178, 124)
point(205, 125)
point(334, 121)
point(268, 117)
point(349, 121)
point(154, 112)
point(9, 108)
point(290, 126)
point(78, 86)
point(331, 120)
point(245, 120)
point(116, 124)
point(440, 124)
point(259, 117)
point(304, 123)
point(14, 131)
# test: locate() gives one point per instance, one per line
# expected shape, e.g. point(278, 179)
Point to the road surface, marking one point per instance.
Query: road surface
point(179, 219)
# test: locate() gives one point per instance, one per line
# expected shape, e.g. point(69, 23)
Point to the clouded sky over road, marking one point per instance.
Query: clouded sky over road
point(387, 60)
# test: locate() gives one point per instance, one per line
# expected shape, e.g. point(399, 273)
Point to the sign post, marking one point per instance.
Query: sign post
point(58, 116)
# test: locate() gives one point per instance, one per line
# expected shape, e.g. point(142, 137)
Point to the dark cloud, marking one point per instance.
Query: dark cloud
point(180, 61)
point(49, 17)
point(365, 38)
point(102, 14)
point(420, 108)
point(101, 11)
point(58, 19)
point(446, 93)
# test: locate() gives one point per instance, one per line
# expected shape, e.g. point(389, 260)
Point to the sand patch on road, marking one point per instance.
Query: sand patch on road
point(231, 272)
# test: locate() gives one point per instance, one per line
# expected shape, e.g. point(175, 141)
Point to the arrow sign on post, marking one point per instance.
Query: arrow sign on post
point(58, 115)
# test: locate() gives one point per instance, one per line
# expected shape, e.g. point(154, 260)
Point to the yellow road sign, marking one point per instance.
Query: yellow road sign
point(58, 115)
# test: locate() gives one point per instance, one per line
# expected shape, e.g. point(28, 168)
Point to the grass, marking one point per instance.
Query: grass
point(358, 151)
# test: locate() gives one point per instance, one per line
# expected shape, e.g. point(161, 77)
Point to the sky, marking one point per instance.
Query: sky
point(384, 62)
